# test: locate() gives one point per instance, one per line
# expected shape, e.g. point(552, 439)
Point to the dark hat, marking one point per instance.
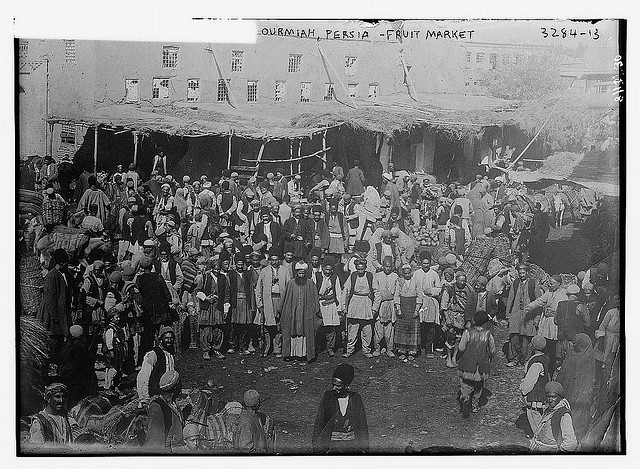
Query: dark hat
point(315, 252)
point(274, 251)
point(264, 211)
point(60, 256)
point(360, 261)
point(425, 255)
point(555, 387)
point(344, 372)
point(362, 246)
point(246, 249)
point(480, 318)
point(329, 260)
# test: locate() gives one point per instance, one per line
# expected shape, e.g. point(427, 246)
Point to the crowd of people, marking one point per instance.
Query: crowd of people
point(244, 266)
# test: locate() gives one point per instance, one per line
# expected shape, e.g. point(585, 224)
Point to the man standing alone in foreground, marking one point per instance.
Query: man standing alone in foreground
point(341, 422)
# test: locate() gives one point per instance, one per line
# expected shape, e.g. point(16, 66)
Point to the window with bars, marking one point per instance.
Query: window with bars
point(468, 59)
point(493, 61)
point(223, 90)
point(252, 91)
point(169, 57)
point(329, 92)
point(193, 90)
point(352, 89)
point(305, 92)
point(70, 50)
point(68, 134)
point(131, 89)
point(23, 50)
point(236, 60)
point(295, 63)
point(350, 65)
point(373, 90)
point(279, 91)
point(160, 88)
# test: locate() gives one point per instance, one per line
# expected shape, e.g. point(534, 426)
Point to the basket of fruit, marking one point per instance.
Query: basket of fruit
point(425, 237)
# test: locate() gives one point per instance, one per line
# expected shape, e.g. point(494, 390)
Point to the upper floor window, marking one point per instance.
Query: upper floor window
point(295, 62)
point(169, 57)
point(70, 50)
point(350, 65)
point(236, 60)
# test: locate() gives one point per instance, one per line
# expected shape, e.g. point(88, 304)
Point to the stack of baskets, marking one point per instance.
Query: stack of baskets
point(31, 282)
point(30, 202)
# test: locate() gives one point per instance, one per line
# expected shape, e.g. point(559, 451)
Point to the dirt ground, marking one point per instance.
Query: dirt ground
point(405, 402)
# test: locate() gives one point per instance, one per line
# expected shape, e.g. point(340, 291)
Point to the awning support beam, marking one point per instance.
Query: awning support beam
point(95, 150)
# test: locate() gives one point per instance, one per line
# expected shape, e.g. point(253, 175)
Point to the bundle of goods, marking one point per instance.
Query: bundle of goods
point(502, 248)
point(31, 282)
point(72, 240)
point(477, 257)
point(30, 202)
point(539, 274)
point(53, 211)
point(425, 236)
point(34, 351)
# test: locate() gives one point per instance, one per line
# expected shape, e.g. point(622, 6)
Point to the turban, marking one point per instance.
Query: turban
point(190, 430)
point(169, 380)
point(270, 176)
point(132, 200)
point(234, 175)
point(146, 262)
point(128, 271)
point(461, 273)
point(149, 243)
point(387, 193)
point(539, 343)
point(360, 261)
point(115, 277)
point(573, 289)
point(166, 329)
point(76, 331)
point(450, 258)
point(442, 261)
point(395, 231)
point(249, 194)
point(98, 265)
point(523, 267)
point(555, 387)
point(301, 266)
point(449, 271)
point(251, 398)
point(50, 190)
point(171, 223)
point(344, 372)
point(186, 179)
point(165, 186)
point(405, 267)
point(53, 389)
point(480, 318)
point(207, 185)
point(298, 177)
point(581, 275)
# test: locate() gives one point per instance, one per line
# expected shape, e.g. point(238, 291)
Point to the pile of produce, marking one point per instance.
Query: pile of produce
point(425, 236)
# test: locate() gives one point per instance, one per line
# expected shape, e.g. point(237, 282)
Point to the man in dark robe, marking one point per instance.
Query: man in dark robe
point(341, 422)
point(77, 367)
point(539, 231)
point(155, 304)
point(300, 315)
point(55, 308)
point(297, 234)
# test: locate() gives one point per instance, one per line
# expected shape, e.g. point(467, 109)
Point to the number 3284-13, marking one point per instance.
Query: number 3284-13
point(564, 33)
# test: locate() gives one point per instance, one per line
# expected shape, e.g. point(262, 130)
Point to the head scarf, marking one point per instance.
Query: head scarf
point(578, 371)
point(53, 389)
point(344, 372)
point(554, 386)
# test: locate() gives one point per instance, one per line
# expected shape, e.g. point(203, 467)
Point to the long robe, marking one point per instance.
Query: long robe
point(329, 420)
point(55, 310)
point(98, 198)
point(300, 308)
point(264, 298)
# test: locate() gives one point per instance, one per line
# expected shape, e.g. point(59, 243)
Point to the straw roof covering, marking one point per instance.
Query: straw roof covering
point(460, 115)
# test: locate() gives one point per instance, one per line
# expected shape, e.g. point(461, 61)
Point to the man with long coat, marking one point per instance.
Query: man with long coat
point(297, 234)
point(300, 314)
point(55, 308)
point(270, 288)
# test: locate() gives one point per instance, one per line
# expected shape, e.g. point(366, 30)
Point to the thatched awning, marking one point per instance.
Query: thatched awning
point(296, 120)
point(596, 170)
point(458, 114)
